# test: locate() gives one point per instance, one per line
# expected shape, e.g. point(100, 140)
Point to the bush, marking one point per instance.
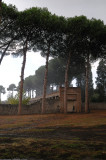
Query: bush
point(15, 99)
point(95, 97)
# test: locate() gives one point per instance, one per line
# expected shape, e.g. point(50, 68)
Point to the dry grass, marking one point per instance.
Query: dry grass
point(94, 118)
point(54, 136)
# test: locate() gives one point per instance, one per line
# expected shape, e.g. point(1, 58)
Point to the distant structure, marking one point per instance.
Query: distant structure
point(54, 104)
point(73, 99)
point(55, 101)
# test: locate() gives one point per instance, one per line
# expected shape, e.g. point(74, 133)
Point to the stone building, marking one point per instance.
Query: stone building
point(73, 99)
point(54, 103)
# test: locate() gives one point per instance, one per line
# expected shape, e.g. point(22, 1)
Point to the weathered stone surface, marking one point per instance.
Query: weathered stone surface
point(54, 103)
point(73, 99)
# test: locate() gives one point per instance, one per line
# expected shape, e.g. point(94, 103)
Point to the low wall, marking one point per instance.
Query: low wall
point(52, 106)
point(94, 106)
point(7, 109)
point(97, 105)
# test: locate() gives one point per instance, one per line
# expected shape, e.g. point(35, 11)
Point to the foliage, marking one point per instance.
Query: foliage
point(101, 80)
point(12, 87)
point(95, 97)
point(15, 99)
point(80, 82)
point(8, 30)
point(37, 29)
point(12, 100)
point(2, 91)
point(56, 71)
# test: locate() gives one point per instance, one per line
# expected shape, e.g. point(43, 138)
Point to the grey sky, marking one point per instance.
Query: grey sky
point(67, 8)
point(10, 68)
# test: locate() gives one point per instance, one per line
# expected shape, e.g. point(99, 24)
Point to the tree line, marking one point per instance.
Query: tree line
point(56, 72)
point(33, 84)
point(36, 29)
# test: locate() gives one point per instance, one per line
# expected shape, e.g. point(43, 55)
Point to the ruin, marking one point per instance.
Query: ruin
point(73, 99)
point(55, 101)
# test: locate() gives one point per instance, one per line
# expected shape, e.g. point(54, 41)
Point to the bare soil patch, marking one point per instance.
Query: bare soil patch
point(54, 136)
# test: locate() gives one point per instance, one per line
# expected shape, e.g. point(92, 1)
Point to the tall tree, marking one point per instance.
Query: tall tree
point(27, 31)
point(101, 80)
point(11, 87)
point(90, 84)
point(31, 23)
point(56, 72)
point(48, 43)
point(39, 80)
point(80, 82)
point(2, 91)
point(69, 46)
point(7, 30)
point(0, 9)
point(94, 47)
point(29, 86)
point(91, 45)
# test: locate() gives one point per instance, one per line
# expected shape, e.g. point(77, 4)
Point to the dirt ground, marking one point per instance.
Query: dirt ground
point(54, 136)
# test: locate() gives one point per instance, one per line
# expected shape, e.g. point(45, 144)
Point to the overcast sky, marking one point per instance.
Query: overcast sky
point(10, 68)
point(67, 8)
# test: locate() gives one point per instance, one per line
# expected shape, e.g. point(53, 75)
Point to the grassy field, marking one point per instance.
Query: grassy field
point(54, 136)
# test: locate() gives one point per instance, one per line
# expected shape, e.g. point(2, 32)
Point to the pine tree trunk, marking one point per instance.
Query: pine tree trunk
point(28, 93)
point(66, 83)
point(32, 93)
point(22, 79)
point(45, 81)
point(86, 86)
point(3, 54)
point(0, 96)
point(0, 10)
point(12, 93)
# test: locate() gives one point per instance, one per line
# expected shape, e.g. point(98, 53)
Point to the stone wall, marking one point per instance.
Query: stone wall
point(52, 106)
point(95, 106)
point(73, 99)
point(7, 109)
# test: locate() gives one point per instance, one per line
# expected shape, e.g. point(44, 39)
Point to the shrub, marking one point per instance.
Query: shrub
point(95, 97)
point(15, 99)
